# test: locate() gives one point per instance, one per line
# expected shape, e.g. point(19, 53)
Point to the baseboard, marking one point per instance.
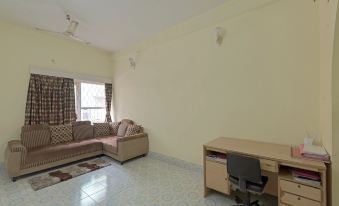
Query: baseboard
point(177, 162)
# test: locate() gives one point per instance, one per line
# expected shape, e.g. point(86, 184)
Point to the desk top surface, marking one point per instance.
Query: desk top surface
point(277, 152)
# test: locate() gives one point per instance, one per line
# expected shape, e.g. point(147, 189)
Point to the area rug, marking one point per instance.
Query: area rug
point(67, 173)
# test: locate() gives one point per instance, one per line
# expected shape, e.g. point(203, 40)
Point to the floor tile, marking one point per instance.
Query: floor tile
point(94, 188)
point(145, 181)
point(87, 202)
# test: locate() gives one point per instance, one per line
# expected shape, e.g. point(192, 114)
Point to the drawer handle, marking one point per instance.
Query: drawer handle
point(299, 186)
point(298, 198)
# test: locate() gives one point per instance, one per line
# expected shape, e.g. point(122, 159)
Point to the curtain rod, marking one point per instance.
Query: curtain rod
point(75, 76)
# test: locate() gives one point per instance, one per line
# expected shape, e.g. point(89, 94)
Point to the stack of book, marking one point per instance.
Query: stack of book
point(216, 156)
point(314, 152)
point(308, 177)
point(311, 152)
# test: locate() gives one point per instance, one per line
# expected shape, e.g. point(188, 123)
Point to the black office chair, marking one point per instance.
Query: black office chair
point(245, 175)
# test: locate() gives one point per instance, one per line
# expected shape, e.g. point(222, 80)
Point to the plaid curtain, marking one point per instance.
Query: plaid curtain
point(50, 100)
point(108, 92)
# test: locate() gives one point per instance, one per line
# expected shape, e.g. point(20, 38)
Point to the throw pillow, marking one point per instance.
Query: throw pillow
point(122, 129)
point(61, 133)
point(133, 129)
point(114, 128)
point(33, 136)
point(101, 129)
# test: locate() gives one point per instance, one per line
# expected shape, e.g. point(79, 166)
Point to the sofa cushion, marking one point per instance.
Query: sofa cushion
point(61, 133)
point(109, 144)
point(102, 129)
point(33, 136)
point(133, 129)
point(62, 151)
point(114, 128)
point(83, 130)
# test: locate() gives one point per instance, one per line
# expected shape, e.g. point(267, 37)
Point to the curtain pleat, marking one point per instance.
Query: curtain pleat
point(108, 92)
point(50, 100)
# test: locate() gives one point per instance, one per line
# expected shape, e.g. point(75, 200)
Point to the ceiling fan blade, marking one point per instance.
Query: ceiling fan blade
point(79, 39)
point(49, 31)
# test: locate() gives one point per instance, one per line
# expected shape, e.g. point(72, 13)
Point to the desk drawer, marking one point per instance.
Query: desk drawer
point(216, 177)
point(269, 165)
point(294, 200)
point(302, 190)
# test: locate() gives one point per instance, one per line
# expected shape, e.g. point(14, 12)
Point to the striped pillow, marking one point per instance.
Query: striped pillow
point(33, 136)
point(114, 128)
point(122, 129)
point(61, 133)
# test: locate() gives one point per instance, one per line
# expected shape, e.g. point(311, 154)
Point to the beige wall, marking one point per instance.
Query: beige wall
point(262, 83)
point(335, 125)
point(328, 10)
point(20, 48)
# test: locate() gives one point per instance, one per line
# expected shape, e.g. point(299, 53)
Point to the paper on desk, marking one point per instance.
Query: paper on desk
point(313, 149)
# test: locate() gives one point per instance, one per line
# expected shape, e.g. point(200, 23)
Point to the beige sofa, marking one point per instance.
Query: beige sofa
point(42, 147)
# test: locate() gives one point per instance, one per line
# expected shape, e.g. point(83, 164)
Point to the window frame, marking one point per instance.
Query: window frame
point(78, 104)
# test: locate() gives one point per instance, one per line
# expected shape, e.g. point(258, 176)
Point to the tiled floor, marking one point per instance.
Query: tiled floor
point(146, 181)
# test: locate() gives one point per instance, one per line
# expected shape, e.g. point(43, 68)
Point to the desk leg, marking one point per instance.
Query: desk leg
point(206, 190)
point(324, 184)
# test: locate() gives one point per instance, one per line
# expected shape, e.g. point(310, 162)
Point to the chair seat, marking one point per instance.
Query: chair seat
point(251, 187)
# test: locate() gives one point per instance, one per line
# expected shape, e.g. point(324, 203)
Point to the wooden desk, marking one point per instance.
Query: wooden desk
point(275, 160)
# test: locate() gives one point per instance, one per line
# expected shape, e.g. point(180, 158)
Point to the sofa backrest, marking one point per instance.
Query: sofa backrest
point(83, 130)
point(33, 136)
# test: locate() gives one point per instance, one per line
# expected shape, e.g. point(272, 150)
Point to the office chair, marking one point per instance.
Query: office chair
point(245, 175)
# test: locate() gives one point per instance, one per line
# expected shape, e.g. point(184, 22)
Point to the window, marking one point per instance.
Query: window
point(90, 101)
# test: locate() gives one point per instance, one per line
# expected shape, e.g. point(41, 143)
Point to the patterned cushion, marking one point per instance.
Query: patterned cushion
point(61, 133)
point(83, 130)
point(133, 129)
point(33, 136)
point(114, 128)
point(101, 129)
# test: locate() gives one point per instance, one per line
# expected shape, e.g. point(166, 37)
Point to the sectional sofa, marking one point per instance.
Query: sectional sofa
point(42, 146)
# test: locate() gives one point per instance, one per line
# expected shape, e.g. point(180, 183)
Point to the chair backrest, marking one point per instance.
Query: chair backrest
point(244, 168)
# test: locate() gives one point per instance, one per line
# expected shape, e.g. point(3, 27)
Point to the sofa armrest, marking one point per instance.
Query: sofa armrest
point(132, 137)
point(132, 146)
point(14, 155)
point(16, 146)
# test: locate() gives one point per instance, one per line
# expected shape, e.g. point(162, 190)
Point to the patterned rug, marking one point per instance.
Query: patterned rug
point(67, 173)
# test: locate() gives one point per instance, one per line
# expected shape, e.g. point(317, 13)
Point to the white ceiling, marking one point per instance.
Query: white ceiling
point(109, 24)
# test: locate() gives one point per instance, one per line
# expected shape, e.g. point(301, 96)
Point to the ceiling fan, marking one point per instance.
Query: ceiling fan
point(69, 33)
